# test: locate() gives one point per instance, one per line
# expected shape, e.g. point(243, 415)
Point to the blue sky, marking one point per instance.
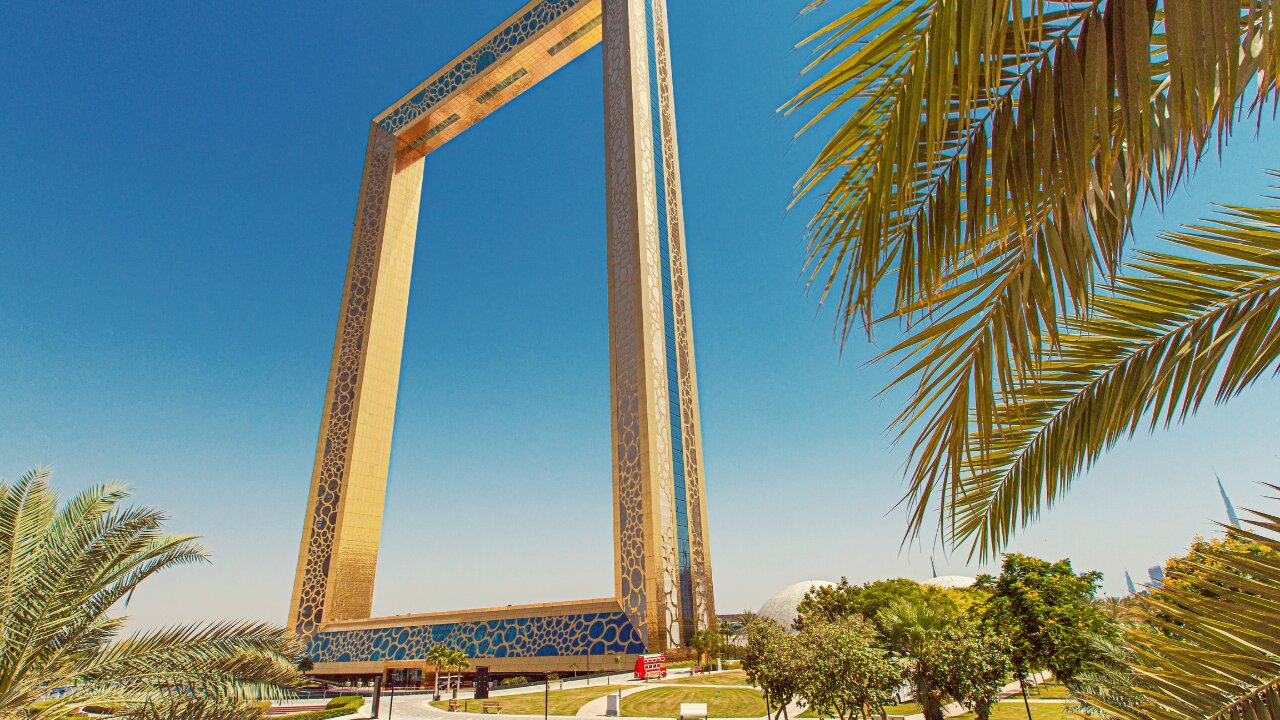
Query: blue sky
point(178, 182)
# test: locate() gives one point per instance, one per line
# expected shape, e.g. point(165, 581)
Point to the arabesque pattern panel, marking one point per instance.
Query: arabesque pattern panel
point(513, 33)
point(553, 636)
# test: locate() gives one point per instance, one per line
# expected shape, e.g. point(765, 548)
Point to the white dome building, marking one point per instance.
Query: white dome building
point(951, 582)
point(781, 608)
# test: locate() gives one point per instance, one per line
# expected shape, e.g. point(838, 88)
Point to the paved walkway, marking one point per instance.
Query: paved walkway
point(418, 707)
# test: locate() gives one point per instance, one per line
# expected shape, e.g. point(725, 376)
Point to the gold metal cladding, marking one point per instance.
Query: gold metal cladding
point(338, 557)
point(333, 589)
point(703, 596)
point(552, 48)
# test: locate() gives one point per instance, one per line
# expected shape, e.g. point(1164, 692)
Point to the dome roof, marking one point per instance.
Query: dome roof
point(781, 608)
point(951, 582)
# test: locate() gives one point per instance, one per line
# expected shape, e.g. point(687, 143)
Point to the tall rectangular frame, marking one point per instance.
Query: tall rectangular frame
point(663, 587)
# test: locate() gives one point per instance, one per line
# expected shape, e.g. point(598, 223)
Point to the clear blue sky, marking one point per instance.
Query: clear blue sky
point(178, 182)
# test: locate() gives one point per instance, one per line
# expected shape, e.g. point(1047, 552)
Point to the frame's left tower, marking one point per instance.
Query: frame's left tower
point(344, 508)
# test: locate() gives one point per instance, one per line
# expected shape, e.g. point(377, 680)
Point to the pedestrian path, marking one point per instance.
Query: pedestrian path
point(418, 707)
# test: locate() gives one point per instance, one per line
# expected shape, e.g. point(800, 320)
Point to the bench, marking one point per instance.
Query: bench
point(491, 706)
point(693, 710)
point(453, 706)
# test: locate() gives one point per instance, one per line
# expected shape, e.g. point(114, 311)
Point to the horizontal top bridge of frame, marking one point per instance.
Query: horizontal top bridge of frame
point(539, 39)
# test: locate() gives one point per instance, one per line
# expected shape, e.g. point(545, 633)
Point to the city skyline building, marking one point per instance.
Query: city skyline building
point(663, 585)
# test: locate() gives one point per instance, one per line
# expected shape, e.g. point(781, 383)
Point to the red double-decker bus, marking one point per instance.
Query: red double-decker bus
point(651, 666)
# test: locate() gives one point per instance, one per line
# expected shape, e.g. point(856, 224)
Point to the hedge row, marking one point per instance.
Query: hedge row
point(337, 707)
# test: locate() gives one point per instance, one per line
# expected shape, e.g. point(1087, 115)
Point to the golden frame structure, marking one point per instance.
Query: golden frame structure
point(663, 587)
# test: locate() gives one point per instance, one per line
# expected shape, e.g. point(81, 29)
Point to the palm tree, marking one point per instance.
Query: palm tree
point(981, 181)
point(64, 567)
point(438, 657)
point(914, 628)
point(459, 662)
point(1121, 611)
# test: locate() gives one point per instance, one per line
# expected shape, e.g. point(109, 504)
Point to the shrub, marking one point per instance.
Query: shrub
point(553, 676)
point(517, 680)
point(337, 707)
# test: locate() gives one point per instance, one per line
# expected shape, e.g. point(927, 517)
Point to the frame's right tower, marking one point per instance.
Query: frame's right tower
point(660, 515)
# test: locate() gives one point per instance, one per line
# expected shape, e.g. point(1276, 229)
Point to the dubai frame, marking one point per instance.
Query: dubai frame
point(663, 589)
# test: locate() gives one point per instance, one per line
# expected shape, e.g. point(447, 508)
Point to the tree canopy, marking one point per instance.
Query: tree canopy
point(1047, 611)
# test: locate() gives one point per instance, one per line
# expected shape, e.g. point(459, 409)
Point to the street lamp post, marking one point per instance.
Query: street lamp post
point(391, 688)
point(546, 697)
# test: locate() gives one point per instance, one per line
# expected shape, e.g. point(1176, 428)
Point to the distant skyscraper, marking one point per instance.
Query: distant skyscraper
point(1232, 519)
point(1129, 582)
point(1156, 573)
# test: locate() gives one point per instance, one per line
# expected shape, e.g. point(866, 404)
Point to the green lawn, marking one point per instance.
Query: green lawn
point(903, 709)
point(1010, 710)
point(728, 702)
point(1051, 691)
point(733, 677)
point(563, 702)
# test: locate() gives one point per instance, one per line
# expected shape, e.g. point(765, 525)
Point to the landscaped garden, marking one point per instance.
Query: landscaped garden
point(558, 702)
point(727, 702)
point(1051, 691)
point(904, 709)
point(1015, 710)
point(732, 677)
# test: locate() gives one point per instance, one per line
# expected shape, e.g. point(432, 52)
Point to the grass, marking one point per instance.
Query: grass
point(728, 702)
point(1051, 691)
point(1010, 710)
point(903, 709)
point(733, 677)
point(562, 702)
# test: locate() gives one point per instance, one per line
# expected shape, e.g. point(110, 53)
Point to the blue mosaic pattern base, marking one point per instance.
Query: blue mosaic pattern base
point(507, 39)
point(562, 635)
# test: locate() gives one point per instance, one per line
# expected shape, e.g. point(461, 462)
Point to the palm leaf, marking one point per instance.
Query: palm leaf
point(1178, 329)
point(1206, 647)
point(62, 569)
point(988, 160)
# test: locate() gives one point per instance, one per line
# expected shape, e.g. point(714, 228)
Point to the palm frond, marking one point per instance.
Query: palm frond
point(1178, 329)
point(989, 159)
point(1207, 647)
point(63, 569)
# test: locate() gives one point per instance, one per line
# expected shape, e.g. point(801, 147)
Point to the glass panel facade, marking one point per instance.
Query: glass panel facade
point(668, 321)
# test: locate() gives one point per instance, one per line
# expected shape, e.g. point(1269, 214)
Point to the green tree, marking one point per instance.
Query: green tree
point(844, 671)
point(305, 665)
point(844, 600)
point(772, 661)
point(709, 643)
point(915, 629)
point(973, 662)
point(1047, 611)
point(64, 567)
point(984, 163)
point(1203, 554)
